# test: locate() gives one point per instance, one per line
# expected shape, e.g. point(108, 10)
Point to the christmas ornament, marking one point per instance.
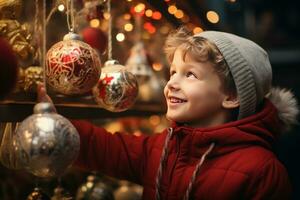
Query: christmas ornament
point(33, 75)
point(17, 34)
point(72, 67)
point(7, 151)
point(61, 194)
point(94, 189)
point(8, 67)
point(137, 63)
point(46, 143)
point(95, 37)
point(152, 90)
point(116, 89)
point(38, 194)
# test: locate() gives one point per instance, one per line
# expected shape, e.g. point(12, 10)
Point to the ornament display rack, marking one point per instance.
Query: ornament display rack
point(18, 106)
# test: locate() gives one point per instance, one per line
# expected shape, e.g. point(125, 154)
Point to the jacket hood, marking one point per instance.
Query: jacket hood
point(260, 129)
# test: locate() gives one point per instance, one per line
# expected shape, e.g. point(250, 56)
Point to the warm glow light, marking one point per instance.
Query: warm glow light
point(139, 8)
point(179, 14)
point(120, 37)
point(232, 1)
point(197, 30)
point(95, 23)
point(127, 16)
point(156, 15)
point(172, 9)
point(128, 27)
point(154, 120)
point(129, 0)
point(106, 15)
point(61, 7)
point(212, 16)
point(157, 66)
point(149, 27)
point(149, 13)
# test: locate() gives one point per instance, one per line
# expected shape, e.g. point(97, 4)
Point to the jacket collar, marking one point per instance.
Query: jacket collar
point(259, 129)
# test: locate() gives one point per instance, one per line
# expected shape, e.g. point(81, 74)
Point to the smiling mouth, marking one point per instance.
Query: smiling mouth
point(176, 100)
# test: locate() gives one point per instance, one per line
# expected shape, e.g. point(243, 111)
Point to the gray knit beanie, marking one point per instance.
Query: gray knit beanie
point(249, 65)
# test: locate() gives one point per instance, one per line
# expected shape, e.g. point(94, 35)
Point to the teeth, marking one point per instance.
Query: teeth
point(175, 100)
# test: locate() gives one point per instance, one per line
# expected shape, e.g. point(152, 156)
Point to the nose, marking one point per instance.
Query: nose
point(173, 83)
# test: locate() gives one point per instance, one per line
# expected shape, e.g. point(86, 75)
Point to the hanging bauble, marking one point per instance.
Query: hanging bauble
point(61, 194)
point(94, 189)
point(95, 37)
point(8, 67)
point(46, 142)
point(38, 194)
point(73, 67)
point(152, 90)
point(138, 64)
point(117, 88)
point(33, 75)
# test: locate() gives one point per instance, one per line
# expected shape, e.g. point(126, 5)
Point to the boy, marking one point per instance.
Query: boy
point(219, 145)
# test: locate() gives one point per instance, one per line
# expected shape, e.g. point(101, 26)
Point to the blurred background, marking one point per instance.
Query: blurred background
point(139, 29)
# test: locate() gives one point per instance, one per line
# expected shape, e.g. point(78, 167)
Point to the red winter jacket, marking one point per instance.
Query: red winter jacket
point(240, 166)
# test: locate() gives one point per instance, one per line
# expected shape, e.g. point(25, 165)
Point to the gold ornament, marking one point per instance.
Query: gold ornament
point(33, 75)
point(17, 34)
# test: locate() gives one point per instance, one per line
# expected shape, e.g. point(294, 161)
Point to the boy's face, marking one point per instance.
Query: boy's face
point(193, 93)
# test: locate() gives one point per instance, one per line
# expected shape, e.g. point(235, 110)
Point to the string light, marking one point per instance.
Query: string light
point(157, 66)
point(95, 23)
point(172, 9)
point(106, 15)
point(128, 27)
point(139, 8)
point(156, 15)
point(212, 16)
point(120, 37)
point(127, 16)
point(197, 30)
point(61, 7)
point(149, 13)
point(179, 14)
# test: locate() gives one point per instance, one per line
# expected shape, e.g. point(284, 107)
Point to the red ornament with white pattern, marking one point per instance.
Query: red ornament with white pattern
point(72, 66)
point(117, 88)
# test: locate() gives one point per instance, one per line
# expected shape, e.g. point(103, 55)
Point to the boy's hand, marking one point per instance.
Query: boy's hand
point(42, 96)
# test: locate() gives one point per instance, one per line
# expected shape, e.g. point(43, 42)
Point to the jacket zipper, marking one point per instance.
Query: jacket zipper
point(174, 163)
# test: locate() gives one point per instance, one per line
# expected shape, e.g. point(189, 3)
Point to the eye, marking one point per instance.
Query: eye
point(191, 74)
point(172, 72)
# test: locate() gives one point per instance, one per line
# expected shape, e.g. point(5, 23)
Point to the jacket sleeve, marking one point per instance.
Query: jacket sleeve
point(271, 182)
point(118, 155)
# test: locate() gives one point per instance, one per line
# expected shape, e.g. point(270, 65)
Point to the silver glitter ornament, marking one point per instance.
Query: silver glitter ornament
point(46, 143)
point(116, 89)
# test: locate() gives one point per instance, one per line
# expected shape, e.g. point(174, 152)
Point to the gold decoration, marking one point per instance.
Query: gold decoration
point(17, 34)
point(33, 75)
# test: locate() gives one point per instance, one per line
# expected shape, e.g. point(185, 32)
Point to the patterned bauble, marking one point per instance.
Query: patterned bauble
point(46, 142)
point(117, 88)
point(73, 67)
point(38, 194)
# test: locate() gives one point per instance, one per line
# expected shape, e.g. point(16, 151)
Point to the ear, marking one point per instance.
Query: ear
point(230, 102)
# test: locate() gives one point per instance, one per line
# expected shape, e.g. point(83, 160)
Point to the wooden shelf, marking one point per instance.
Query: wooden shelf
point(19, 106)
